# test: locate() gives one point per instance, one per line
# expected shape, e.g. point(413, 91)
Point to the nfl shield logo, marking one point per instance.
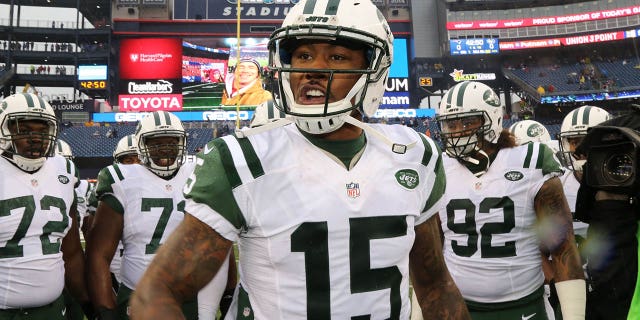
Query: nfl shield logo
point(34, 182)
point(353, 190)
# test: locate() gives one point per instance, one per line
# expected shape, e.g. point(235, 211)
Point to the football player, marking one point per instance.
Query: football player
point(41, 252)
point(140, 205)
point(506, 204)
point(329, 213)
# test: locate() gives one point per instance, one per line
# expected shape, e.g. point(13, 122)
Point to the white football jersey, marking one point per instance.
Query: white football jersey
point(491, 247)
point(34, 215)
point(571, 185)
point(82, 193)
point(315, 238)
point(152, 207)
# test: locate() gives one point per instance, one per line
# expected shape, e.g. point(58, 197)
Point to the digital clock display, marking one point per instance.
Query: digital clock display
point(93, 84)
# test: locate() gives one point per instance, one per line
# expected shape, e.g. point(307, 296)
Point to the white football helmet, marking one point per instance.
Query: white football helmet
point(160, 124)
point(575, 125)
point(126, 146)
point(527, 131)
point(64, 149)
point(27, 106)
point(348, 23)
point(469, 99)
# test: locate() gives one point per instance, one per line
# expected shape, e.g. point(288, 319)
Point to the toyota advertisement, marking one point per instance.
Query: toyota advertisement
point(150, 74)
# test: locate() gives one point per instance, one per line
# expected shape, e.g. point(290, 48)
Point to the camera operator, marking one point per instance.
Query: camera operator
point(607, 202)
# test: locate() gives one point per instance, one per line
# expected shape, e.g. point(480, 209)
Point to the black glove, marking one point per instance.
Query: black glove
point(106, 314)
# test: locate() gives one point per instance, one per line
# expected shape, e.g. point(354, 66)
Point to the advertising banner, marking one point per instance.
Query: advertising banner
point(543, 21)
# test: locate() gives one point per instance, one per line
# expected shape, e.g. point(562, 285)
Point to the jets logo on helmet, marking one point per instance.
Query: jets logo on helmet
point(23, 107)
point(527, 131)
point(335, 22)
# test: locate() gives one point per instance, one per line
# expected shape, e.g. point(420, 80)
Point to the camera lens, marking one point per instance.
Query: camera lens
point(618, 168)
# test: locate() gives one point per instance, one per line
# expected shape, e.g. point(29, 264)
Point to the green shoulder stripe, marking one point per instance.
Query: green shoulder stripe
point(213, 183)
point(227, 162)
point(251, 157)
point(428, 151)
point(547, 161)
point(104, 188)
point(527, 159)
point(439, 185)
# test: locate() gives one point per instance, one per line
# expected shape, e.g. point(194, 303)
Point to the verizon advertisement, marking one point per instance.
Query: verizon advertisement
point(150, 74)
point(543, 21)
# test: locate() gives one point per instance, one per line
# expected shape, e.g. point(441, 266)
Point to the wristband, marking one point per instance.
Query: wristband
point(572, 295)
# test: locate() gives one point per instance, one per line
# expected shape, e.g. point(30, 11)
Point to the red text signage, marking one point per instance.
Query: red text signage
point(543, 21)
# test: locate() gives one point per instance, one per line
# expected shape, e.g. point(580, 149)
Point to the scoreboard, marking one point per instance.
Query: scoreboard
point(474, 46)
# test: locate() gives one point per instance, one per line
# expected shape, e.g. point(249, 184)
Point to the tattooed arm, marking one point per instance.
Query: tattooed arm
point(555, 223)
point(184, 264)
point(437, 294)
point(556, 234)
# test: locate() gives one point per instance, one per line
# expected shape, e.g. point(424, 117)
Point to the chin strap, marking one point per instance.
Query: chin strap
point(395, 147)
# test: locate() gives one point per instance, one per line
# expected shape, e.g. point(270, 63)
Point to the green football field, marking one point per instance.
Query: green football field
point(202, 96)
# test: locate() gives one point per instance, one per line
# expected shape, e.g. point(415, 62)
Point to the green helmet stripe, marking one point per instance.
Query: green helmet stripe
point(167, 118)
point(29, 100)
point(585, 115)
point(309, 6)
point(332, 7)
point(449, 97)
point(461, 90)
point(130, 140)
point(574, 118)
point(156, 118)
point(59, 146)
point(41, 102)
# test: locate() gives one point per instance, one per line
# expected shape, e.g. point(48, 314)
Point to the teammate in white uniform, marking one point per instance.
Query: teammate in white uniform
point(40, 248)
point(328, 212)
point(506, 204)
point(140, 204)
point(573, 129)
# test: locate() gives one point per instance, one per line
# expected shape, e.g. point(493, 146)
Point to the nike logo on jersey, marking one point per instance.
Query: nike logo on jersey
point(528, 317)
point(207, 149)
point(64, 311)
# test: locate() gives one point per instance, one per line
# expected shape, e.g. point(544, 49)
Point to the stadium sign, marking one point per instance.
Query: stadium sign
point(458, 76)
point(150, 102)
point(159, 87)
point(226, 115)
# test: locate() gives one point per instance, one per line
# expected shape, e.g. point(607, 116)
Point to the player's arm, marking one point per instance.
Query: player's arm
point(184, 264)
point(73, 257)
point(104, 236)
point(437, 294)
point(556, 233)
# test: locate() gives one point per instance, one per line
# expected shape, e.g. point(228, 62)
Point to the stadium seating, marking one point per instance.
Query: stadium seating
point(93, 141)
